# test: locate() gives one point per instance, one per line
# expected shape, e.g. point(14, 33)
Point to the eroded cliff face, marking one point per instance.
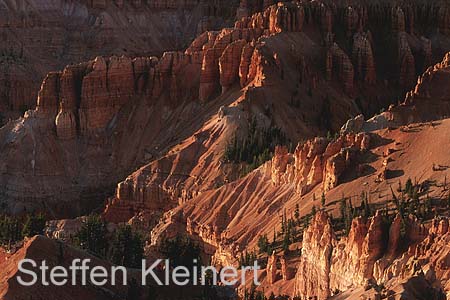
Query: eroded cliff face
point(373, 252)
point(320, 161)
point(121, 27)
point(427, 101)
point(230, 60)
point(85, 116)
point(315, 264)
point(103, 103)
point(228, 55)
point(38, 38)
point(274, 64)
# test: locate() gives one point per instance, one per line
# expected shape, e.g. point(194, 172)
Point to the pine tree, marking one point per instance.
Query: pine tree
point(400, 188)
point(286, 240)
point(409, 187)
point(313, 210)
point(274, 236)
point(263, 244)
point(429, 204)
point(92, 236)
point(415, 198)
point(297, 211)
point(343, 208)
point(323, 200)
point(127, 248)
point(34, 225)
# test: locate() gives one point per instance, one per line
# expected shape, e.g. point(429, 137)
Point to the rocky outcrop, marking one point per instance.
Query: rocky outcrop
point(244, 66)
point(398, 20)
point(406, 62)
point(54, 253)
point(429, 99)
point(287, 272)
point(271, 268)
point(85, 116)
point(444, 19)
point(354, 19)
point(209, 75)
point(84, 98)
point(426, 101)
point(363, 59)
point(229, 64)
point(227, 55)
point(222, 55)
point(427, 53)
point(318, 161)
point(284, 16)
point(249, 7)
point(426, 255)
point(44, 37)
point(329, 265)
point(312, 278)
point(340, 67)
point(135, 196)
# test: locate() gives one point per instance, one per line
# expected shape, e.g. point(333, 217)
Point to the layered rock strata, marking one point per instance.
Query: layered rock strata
point(318, 161)
point(374, 251)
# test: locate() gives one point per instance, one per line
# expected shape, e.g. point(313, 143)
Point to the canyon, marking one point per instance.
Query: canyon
point(150, 95)
point(37, 37)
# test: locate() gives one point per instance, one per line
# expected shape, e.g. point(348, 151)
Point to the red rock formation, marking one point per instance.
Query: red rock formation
point(133, 196)
point(229, 64)
point(339, 65)
point(347, 268)
point(326, 18)
point(35, 39)
point(226, 55)
point(318, 161)
point(256, 68)
point(312, 278)
point(287, 273)
point(88, 95)
point(406, 62)
point(209, 75)
point(48, 96)
point(426, 52)
point(280, 161)
point(54, 253)
point(374, 244)
point(286, 17)
point(352, 20)
point(427, 100)
point(425, 255)
point(363, 60)
point(66, 120)
point(327, 264)
point(444, 19)
point(244, 67)
point(398, 20)
point(271, 268)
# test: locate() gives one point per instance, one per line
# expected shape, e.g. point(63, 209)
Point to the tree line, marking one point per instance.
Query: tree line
point(125, 248)
point(256, 147)
point(13, 229)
